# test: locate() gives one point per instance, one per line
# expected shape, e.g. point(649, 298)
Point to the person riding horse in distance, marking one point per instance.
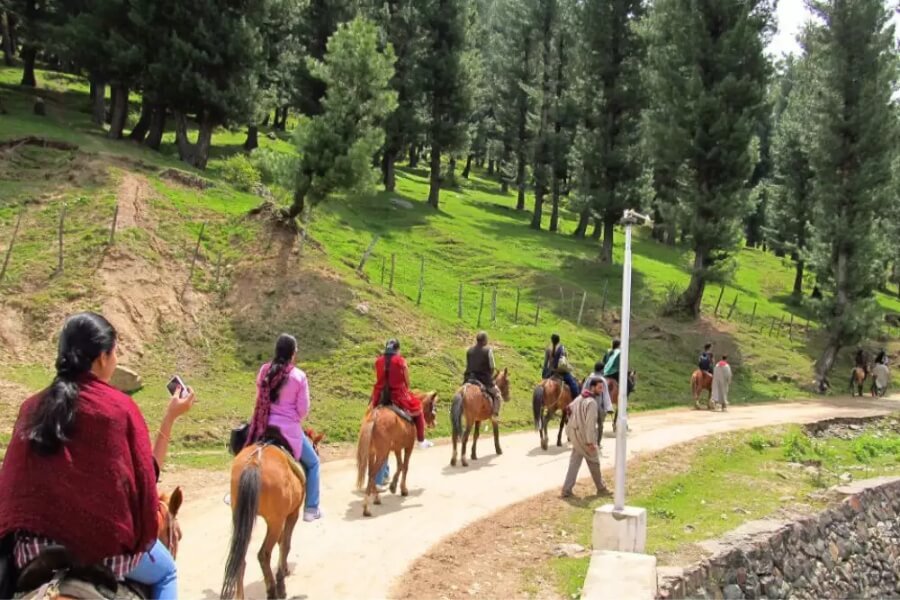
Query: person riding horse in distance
point(392, 387)
point(480, 367)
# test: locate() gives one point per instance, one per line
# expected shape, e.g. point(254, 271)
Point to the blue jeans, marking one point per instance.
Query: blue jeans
point(157, 569)
point(384, 474)
point(310, 461)
point(573, 385)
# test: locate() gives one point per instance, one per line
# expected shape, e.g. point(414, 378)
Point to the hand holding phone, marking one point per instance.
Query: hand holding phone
point(175, 384)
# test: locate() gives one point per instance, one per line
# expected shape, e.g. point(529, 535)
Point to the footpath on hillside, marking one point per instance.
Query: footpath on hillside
point(346, 555)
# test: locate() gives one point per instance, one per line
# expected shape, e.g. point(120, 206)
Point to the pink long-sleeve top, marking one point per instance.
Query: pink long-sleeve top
point(292, 407)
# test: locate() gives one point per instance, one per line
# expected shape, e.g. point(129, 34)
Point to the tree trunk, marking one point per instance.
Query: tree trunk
point(265, 121)
point(520, 184)
point(583, 220)
point(143, 125)
point(538, 214)
point(252, 141)
point(204, 143)
point(468, 168)
point(29, 54)
point(196, 155)
point(825, 363)
point(690, 300)
point(451, 172)
point(119, 112)
point(671, 234)
point(606, 249)
point(281, 123)
point(798, 279)
point(554, 212)
point(388, 170)
point(413, 156)
point(7, 39)
point(434, 193)
point(598, 229)
point(490, 169)
point(98, 100)
point(157, 127)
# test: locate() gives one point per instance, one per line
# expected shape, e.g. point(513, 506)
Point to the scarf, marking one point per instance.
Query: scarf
point(260, 420)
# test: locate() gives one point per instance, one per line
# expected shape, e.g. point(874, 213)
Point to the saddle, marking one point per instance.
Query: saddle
point(271, 437)
point(400, 412)
point(54, 572)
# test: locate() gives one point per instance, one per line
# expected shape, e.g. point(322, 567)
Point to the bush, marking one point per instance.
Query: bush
point(760, 442)
point(240, 172)
point(797, 446)
point(867, 447)
point(275, 168)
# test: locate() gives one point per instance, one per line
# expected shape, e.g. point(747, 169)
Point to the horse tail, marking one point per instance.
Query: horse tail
point(537, 405)
point(366, 432)
point(456, 413)
point(244, 512)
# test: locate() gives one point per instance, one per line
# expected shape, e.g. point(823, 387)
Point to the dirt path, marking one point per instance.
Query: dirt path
point(346, 556)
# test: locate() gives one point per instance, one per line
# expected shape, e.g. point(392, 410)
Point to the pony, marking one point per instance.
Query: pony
point(551, 395)
point(472, 403)
point(700, 381)
point(614, 396)
point(74, 586)
point(384, 431)
point(857, 379)
point(265, 481)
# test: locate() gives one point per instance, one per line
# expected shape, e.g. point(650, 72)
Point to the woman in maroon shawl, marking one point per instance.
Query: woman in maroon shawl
point(392, 387)
point(79, 471)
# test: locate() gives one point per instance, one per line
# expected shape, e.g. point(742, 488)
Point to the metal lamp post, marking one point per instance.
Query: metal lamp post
point(629, 219)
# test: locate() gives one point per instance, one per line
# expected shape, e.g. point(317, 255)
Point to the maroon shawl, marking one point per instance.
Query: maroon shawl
point(260, 420)
point(97, 495)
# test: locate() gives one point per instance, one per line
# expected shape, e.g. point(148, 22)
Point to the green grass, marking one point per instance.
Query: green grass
point(720, 488)
point(476, 239)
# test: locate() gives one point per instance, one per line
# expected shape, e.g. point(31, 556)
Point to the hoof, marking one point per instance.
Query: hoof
point(465, 463)
point(543, 445)
point(453, 462)
point(499, 451)
point(393, 488)
point(474, 457)
point(367, 512)
point(404, 493)
point(377, 500)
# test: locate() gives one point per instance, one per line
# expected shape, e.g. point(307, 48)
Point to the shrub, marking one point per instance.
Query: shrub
point(867, 447)
point(276, 168)
point(797, 446)
point(760, 442)
point(240, 172)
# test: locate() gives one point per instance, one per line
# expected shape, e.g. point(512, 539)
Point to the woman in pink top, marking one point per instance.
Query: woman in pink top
point(282, 402)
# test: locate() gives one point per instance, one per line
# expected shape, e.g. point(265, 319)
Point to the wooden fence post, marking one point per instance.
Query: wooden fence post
point(719, 301)
point(62, 227)
point(791, 328)
point(494, 306)
point(537, 315)
point(780, 323)
point(516, 319)
point(112, 230)
point(365, 256)
point(12, 242)
point(581, 310)
point(459, 307)
point(480, 307)
point(383, 265)
point(393, 264)
point(731, 310)
point(421, 281)
point(772, 326)
point(194, 259)
point(753, 315)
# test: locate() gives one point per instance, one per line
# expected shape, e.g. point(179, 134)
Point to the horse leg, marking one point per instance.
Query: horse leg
point(396, 476)
point(475, 439)
point(283, 550)
point(371, 488)
point(465, 441)
point(273, 533)
point(453, 458)
point(562, 424)
point(545, 420)
point(497, 437)
point(407, 453)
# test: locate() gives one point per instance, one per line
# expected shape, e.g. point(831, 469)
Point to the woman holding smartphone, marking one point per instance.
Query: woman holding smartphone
point(83, 445)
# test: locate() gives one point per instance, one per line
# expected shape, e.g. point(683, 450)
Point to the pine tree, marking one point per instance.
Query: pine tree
point(854, 59)
point(611, 100)
point(546, 26)
point(792, 182)
point(336, 146)
point(448, 95)
point(320, 20)
point(707, 84)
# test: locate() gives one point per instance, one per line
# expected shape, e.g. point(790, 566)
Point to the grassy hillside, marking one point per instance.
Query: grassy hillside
point(249, 283)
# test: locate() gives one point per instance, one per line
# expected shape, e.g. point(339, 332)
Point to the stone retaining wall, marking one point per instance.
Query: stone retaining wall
point(850, 550)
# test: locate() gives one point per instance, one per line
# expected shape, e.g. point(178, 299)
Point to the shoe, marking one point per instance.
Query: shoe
point(566, 495)
point(227, 499)
point(381, 489)
point(425, 444)
point(312, 514)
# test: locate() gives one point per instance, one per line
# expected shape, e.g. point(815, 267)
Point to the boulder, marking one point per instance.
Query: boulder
point(126, 380)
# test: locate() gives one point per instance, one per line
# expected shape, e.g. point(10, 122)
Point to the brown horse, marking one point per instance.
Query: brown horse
point(701, 380)
point(265, 481)
point(857, 379)
point(169, 532)
point(472, 403)
point(384, 431)
point(550, 396)
point(614, 396)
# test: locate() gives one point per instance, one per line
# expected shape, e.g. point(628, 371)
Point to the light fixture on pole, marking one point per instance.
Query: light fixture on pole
point(616, 526)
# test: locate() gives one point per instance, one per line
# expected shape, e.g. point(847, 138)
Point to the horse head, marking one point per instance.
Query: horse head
point(169, 532)
point(502, 382)
point(314, 438)
point(429, 408)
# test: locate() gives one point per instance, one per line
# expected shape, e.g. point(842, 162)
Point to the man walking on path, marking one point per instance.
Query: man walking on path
point(582, 431)
point(721, 383)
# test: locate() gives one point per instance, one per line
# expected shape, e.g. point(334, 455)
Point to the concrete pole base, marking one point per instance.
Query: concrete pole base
point(620, 575)
point(620, 530)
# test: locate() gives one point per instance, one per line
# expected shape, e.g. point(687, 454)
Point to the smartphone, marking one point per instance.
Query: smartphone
point(174, 384)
